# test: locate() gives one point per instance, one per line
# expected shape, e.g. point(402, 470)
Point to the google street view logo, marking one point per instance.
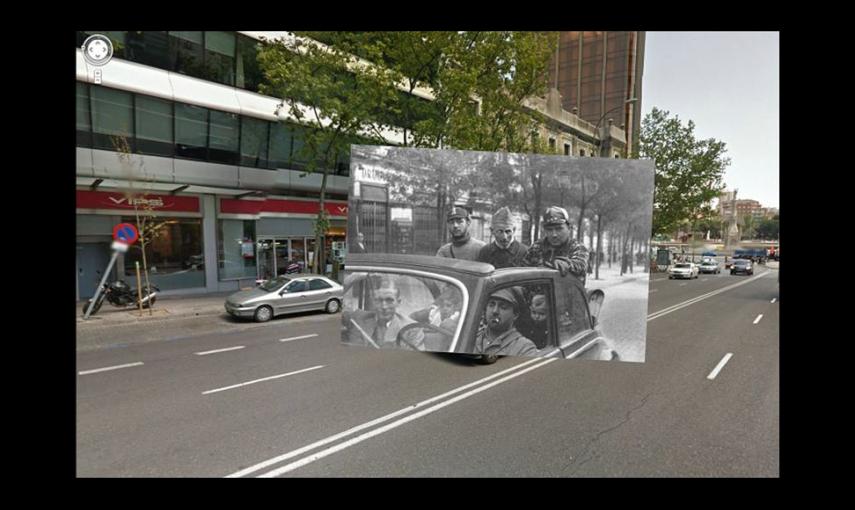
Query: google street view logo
point(97, 50)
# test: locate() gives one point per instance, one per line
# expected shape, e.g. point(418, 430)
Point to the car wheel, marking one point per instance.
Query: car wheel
point(263, 314)
point(488, 359)
point(333, 306)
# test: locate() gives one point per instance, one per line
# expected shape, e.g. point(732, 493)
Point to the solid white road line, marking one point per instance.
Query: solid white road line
point(329, 451)
point(109, 368)
point(261, 380)
point(720, 365)
point(652, 291)
point(678, 306)
point(758, 318)
point(683, 284)
point(376, 421)
point(297, 338)
point(219, 350)
point(774, 299)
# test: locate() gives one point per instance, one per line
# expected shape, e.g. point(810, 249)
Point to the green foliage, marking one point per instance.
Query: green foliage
point(689, 171)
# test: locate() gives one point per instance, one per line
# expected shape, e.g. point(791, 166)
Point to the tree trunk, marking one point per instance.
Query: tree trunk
point(581, 212)
point(623, 265)
point(599, 247)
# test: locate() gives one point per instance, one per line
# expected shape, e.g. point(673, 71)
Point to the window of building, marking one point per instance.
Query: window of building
point(174, 253)
point(186, 52)
point(220, 57)
point(112, 114)
point(253, 142)
point(236, 257)
point(84, 120)
point(223, 138)
point(299, 158)
point(149, 47)
point(154, 126)
point(552, 144)
point(582, 153)
point(191, 131)
point(280, 145)
point(567, 149)
point(248, 75)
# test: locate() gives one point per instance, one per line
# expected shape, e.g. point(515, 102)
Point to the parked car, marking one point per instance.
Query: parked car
point(571, 312)
point(709, 266)
point(285, 294)
point(683, 270)
point(742, 266)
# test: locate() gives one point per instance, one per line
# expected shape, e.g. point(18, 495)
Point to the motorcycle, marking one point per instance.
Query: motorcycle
point(121, 294)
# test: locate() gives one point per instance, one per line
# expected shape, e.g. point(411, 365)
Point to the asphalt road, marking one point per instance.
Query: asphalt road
point(309, 406)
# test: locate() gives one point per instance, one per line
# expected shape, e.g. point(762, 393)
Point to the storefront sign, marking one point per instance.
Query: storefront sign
point(110, 200)
point(259, 207)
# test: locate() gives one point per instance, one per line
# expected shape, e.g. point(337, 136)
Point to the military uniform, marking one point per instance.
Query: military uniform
point(513, 256)
point(571, 256)
point(464, 248)
point(509, 343)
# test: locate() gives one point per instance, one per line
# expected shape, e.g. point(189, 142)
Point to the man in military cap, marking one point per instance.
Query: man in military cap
point(556, 249)
point(504, 251)
point(500, 337)
point(462, 246)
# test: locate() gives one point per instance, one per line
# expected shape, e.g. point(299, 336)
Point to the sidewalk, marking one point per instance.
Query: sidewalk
point(165, 308)
point(611, 277)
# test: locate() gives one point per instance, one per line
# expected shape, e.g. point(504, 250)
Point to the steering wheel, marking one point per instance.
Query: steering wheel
point(401, 337)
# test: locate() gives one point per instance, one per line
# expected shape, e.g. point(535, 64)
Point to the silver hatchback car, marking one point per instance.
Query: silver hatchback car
point(286, 294)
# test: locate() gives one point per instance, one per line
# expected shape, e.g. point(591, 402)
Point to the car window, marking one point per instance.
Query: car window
point(297, 286)
point(274, 283)
point(318, 284)
point(434, 303)
point(574, 317)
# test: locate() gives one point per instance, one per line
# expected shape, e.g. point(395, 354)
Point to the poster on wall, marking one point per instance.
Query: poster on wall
point(247, 249)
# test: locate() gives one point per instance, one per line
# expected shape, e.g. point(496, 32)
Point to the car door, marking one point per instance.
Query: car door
point(319, 292)
point(294, 298)
point(576, 335)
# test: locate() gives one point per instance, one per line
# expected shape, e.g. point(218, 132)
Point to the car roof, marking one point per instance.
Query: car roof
point(421, 262)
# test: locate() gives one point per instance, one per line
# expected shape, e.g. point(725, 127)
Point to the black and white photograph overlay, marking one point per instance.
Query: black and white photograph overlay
point(496, 254)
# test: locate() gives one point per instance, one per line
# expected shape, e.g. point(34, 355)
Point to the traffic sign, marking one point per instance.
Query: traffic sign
point(125, 233)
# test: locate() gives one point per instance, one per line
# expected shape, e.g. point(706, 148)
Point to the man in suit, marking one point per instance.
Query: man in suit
point(380, 327)
point(359, 246)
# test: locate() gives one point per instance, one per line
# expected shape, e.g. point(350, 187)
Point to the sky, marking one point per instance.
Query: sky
point(727, 83)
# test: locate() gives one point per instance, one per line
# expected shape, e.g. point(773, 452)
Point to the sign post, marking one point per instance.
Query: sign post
point(124, 234)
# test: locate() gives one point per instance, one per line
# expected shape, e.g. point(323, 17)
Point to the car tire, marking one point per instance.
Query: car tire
point(263, 314)
point(333, 306)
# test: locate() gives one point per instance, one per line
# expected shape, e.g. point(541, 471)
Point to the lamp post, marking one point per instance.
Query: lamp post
point(597, 128)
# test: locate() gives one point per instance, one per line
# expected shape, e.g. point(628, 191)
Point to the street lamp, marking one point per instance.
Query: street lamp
point(597, 128)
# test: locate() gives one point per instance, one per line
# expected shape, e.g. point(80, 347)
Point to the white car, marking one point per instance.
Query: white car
point(683, 270)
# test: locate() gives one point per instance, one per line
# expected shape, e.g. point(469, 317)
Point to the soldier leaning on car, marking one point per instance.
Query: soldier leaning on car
point(556, 249)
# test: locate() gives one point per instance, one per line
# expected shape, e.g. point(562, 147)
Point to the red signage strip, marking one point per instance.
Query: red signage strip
point(256, 207)
point(120, 201)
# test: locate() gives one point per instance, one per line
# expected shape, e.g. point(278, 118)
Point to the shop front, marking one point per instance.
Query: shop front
point(263, 238)
point(172, 238)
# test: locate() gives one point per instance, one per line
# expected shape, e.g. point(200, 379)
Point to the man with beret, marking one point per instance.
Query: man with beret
point(500, 337)
point(504, 251)
point(462, 246)
point(556, 249)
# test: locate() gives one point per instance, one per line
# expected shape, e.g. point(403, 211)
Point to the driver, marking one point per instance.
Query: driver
point(380, 327)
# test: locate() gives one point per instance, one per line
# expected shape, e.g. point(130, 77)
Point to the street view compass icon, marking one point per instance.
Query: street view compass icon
point(97, 50)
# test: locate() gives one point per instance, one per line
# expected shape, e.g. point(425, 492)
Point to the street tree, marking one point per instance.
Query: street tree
point(689, 171)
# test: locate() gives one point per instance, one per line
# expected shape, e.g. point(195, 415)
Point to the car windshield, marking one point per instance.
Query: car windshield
point(742, 262)
point(682, 266)
point(434, 303)
point(274, 283)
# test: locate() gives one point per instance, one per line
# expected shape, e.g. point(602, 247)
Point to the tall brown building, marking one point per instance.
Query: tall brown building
point(607, 74)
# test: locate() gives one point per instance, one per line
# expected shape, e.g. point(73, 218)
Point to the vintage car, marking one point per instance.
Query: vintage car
point(570, 330)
